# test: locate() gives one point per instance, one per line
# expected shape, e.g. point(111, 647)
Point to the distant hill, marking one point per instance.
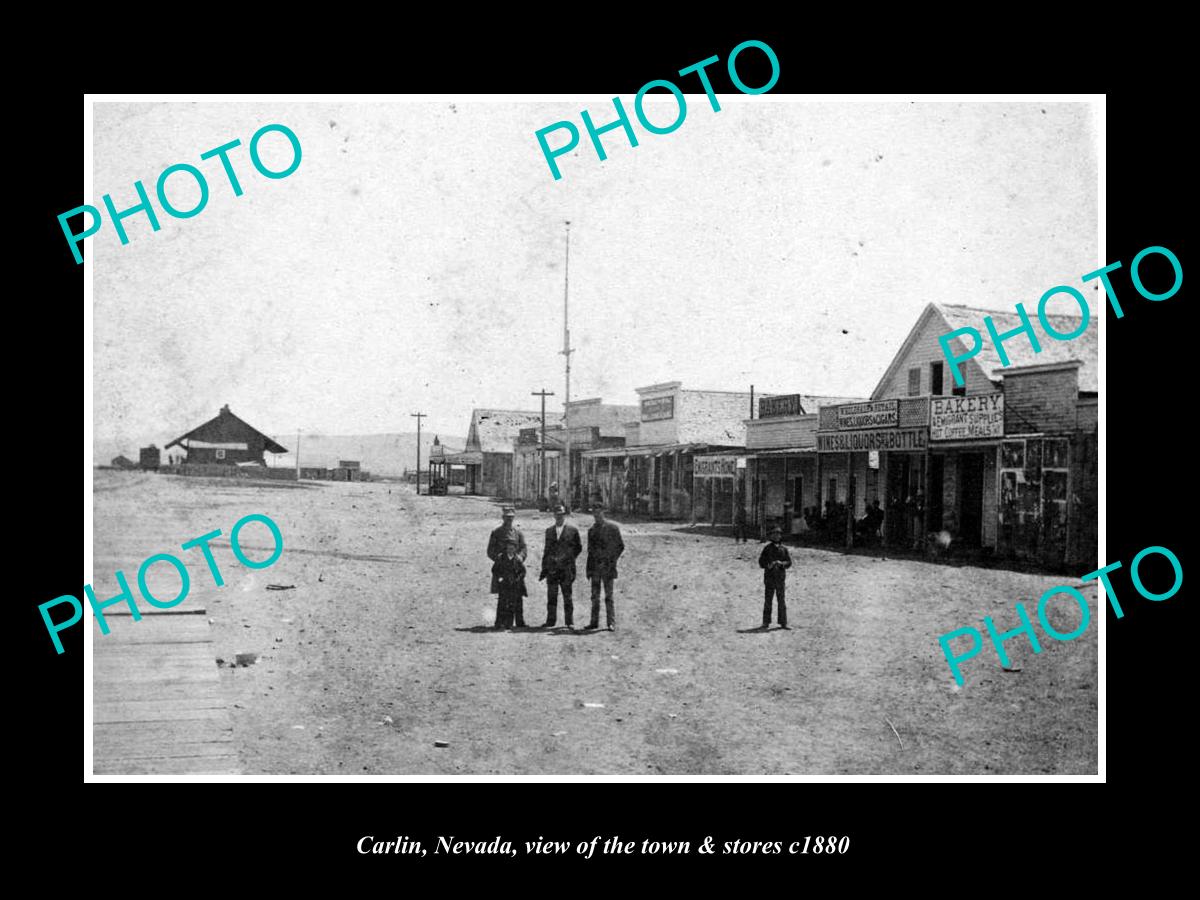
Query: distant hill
point(381, 454)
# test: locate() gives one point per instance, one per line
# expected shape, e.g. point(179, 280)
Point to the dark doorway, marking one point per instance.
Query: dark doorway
point(937, 484)
point(970, 498)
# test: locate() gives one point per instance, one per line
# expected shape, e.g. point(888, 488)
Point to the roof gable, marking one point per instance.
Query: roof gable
point(494, 430)
point(1084, 348)
point(228, 428)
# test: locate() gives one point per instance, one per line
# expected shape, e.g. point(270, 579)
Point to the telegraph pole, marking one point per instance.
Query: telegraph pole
point(566, 352)
point(418, 416)
point(297, 454)
point(543, 393)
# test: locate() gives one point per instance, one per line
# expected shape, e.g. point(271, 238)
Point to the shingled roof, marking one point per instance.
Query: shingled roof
point(227, 428)
point(1084, 349)
point(494, 430)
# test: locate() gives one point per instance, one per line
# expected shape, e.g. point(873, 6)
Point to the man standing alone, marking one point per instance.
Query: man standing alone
point(604, 549)
point(558, 566)
point(774, 561)
point(495, 549)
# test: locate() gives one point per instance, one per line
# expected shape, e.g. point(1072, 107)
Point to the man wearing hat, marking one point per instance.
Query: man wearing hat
point(604, 548)
point(495, 550)
point(558, 566)
point(774, 561)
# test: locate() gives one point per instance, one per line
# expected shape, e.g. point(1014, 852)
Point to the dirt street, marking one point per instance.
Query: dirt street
point(383, 647)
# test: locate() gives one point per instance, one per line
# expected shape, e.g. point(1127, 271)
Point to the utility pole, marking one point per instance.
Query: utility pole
point(418, 416)
point(297, 454)
point(543, 393)
point(566, 352)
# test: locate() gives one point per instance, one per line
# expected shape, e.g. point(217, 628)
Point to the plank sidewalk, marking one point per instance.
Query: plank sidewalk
point(156, 697)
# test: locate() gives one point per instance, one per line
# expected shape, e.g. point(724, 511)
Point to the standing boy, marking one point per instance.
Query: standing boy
point(508, 574)
point(495, 549)
point(774, 561)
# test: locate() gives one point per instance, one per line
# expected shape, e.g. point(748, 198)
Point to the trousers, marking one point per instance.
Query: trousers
point(510, 610)
point(608, 601)
point(552, 602)
point(777, 590)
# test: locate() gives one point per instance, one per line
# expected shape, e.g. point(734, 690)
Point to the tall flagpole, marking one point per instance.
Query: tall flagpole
point(566, 352)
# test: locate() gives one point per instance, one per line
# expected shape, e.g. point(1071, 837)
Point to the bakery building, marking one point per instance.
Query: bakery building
point(1004, 463)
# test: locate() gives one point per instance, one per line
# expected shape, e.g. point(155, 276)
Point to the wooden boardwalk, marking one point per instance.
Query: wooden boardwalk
point(156, 697)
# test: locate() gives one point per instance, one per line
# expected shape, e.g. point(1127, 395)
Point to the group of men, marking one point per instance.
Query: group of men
point(507, 551)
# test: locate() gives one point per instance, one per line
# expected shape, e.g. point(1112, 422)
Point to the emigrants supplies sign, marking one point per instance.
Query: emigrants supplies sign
point(956, 418)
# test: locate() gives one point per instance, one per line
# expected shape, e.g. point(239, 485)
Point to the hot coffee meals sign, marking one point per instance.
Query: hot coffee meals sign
point(877, 414)
point(959, 418)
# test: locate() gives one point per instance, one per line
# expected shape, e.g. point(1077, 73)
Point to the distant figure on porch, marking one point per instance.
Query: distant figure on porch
point(916, 515)
point(868, 526)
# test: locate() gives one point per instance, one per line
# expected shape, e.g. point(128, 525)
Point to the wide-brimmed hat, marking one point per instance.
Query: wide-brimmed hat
point(775, 530)
point(508, 511)
point(597, 507)
point(559, 510)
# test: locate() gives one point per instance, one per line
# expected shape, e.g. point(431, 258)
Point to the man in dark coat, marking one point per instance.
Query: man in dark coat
point(604, 549)
point(774, 561)
point(558, 566)
point(508, 571)
point(495, 550)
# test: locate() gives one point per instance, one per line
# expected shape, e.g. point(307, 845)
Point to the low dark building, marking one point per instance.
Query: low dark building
point(226, 440)
point(149, 457)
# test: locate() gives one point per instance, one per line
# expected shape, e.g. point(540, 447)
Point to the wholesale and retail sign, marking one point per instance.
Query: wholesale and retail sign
point(956, 418)
point(877, 414)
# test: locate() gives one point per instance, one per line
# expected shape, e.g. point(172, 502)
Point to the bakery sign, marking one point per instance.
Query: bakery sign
point(958, 418)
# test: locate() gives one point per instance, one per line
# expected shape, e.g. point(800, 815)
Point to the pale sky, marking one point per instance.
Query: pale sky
point(414, 260)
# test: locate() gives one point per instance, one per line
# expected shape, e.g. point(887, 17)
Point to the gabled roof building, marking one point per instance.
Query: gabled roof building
point(226, 440)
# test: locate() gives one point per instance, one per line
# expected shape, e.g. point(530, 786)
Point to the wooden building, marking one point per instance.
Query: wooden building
point(488, 456)
point(1005, 462)
point(439, 466)
point(149, 457)
point(226, 440)
point(652, 474)
point(779, 481)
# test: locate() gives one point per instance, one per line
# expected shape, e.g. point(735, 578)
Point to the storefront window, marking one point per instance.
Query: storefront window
point(1033, 460)
point(1057, 453)
point(1012, 455)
